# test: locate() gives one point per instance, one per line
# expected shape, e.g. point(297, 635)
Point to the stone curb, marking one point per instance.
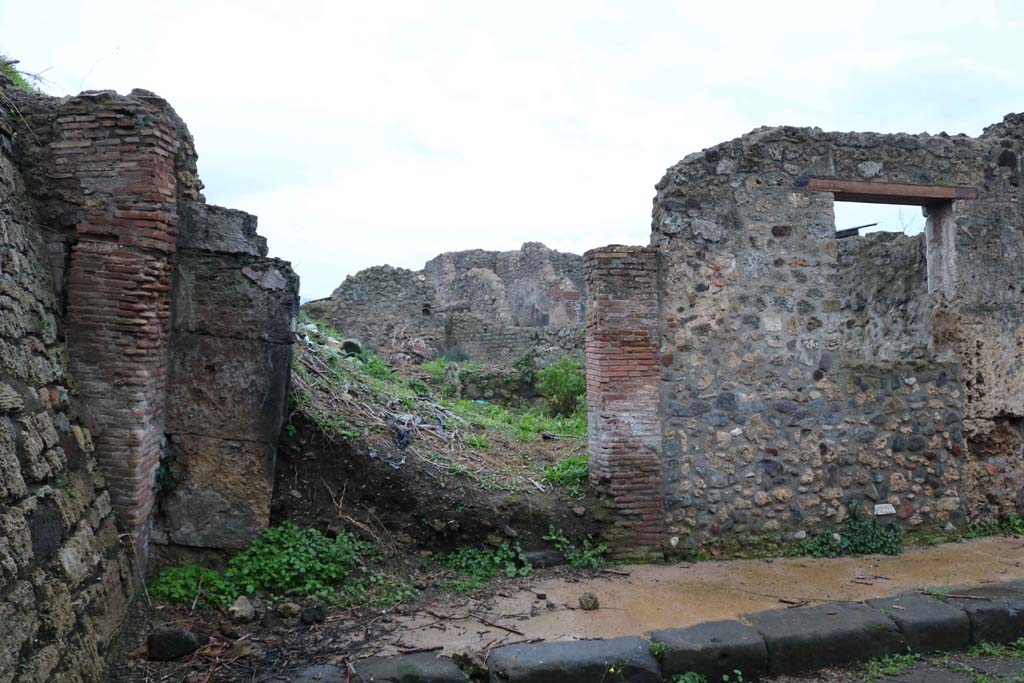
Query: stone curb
point(774, 642)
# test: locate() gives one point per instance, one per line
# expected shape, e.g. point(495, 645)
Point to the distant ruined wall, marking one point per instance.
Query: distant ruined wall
point(883, 279)
point(141, 331)
point(801, 374)
point(487, 305)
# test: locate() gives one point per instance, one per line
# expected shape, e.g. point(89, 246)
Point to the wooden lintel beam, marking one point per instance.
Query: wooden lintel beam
point(890, 193)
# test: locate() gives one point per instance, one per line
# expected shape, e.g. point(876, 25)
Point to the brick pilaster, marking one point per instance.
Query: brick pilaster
point(622, 393)
point(115, 157)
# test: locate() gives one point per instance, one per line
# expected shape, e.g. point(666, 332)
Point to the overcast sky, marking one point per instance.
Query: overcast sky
point(369, 132)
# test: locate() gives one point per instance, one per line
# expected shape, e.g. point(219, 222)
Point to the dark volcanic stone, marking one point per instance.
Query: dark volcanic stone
point(171, 643)
point(314, 614)
point(926, 623)
point(622, 660)
point(998, 617)
point(812, 638)
point(713, 649)
point(423, 667)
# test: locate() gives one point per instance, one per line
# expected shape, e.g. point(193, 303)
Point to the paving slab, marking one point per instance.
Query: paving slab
point(422, 667)
point(829, 635)
point(713, 649)
point(618, 660)
point(927, 624)
point(996, 611)
point(996, 666)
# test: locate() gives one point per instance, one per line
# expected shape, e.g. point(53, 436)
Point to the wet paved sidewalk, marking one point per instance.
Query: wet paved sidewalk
point(671, 596)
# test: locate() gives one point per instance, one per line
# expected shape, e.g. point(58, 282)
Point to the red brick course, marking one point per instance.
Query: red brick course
point(622, 359)
point(115, 159)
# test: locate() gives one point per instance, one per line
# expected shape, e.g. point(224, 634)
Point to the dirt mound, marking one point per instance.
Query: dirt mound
point(373, 452)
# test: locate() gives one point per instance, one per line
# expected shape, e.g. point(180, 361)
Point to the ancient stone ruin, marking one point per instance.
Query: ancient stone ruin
point(750, 375)
point(145, 347)
point(484, 305)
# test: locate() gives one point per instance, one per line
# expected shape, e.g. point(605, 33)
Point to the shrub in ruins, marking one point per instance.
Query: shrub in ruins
point(563, 384)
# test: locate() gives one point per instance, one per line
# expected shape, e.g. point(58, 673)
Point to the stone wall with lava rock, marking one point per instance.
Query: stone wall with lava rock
point(130, 314)
point(802, 375)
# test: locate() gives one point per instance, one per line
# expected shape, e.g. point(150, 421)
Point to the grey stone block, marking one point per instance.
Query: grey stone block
point(622, 660)
point(215, 228)
point(927, 624)
point(423, 667)
point(713, 649)
point(829, 635)
point(996, 611)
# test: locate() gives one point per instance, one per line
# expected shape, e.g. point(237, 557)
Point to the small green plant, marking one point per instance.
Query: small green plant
point(890, 665)
point(859, 535)
point(526, 364)
point(690, 677)
point(569, 473)
point(374, 366)
point(476, 566)
point(477, 441)
point(986, 649)
point(377, 590)
point(1010, 525)
point(736, 676)
point(658, 650)
point(282, 560)
point(563, 384)
point(182, 585)
point(435, 370)
point(588, 557)
point(168, 474)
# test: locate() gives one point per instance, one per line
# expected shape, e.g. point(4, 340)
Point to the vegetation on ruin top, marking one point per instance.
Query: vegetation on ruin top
point(9, 69)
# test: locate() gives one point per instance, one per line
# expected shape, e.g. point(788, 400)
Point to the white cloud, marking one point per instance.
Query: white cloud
point(366, 133)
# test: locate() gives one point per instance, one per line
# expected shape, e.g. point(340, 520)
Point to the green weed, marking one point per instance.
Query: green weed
point(476, 566)
point(859, 535)
point(890, 665)
point(9, 69)
point(282, 560)
point(690, 677)
point(477, 441)
point(569, 473)
point(563, 384)
point(589, 556)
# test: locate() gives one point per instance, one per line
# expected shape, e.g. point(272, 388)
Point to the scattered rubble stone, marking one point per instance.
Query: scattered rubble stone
point(589, 601)
point(242, 611)
point(173, 642)
point(314, 614)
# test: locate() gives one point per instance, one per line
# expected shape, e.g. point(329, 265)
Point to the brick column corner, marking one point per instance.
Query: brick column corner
point(624, 428)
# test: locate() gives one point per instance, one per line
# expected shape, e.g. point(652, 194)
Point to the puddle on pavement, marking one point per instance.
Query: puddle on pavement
point(669, 596)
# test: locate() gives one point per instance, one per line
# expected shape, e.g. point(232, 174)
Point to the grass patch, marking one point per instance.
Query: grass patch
point(569, 473)
point(1014, 649)
point(890, 665)
point(8, 68)
point(525, 426)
